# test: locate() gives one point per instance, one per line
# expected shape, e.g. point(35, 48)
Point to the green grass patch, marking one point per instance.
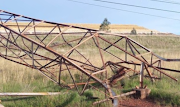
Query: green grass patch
point(163, 92)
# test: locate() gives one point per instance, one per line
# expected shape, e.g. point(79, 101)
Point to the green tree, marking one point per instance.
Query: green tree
point(133, 32)
point(151, 32)
point(105, 25)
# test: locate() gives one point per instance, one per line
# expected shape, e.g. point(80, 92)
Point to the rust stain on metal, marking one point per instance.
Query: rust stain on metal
point(64, 49)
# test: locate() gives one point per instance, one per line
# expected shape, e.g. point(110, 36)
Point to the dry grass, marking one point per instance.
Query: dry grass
point(17, 78)
point(113, 27)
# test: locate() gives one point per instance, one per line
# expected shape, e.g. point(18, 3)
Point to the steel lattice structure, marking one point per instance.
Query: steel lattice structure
point(84, 56)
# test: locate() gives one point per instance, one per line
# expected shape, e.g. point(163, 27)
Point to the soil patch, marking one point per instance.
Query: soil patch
point(131, 102)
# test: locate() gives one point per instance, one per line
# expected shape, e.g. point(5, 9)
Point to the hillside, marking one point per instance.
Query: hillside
point(114, 28)
point(118, 28)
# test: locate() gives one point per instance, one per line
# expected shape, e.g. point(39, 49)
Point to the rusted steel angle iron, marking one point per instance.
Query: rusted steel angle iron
point(23, 40)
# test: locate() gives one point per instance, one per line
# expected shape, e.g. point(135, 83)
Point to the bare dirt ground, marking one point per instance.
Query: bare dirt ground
point(131, 102)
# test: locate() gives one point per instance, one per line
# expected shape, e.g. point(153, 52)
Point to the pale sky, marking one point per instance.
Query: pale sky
point(65, 11)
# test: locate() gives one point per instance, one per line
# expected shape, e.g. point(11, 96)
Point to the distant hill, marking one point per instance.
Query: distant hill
point(114, 28)
point(118, 28)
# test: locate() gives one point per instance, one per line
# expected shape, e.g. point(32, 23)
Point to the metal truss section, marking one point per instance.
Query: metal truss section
point(76, 57)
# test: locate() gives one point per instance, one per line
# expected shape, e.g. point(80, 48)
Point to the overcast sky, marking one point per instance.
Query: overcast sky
point(64, 11)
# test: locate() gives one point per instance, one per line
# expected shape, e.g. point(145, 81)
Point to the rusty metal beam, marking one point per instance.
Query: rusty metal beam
point(25, 45)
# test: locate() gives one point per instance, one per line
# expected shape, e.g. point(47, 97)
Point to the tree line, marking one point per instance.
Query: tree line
point(105, 27)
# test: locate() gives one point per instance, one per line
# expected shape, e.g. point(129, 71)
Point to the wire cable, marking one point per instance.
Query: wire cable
point(118, 3)
point(170, 2)
point(123, 10)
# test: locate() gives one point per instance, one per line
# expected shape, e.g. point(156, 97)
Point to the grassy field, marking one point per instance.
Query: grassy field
point(17, 78)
